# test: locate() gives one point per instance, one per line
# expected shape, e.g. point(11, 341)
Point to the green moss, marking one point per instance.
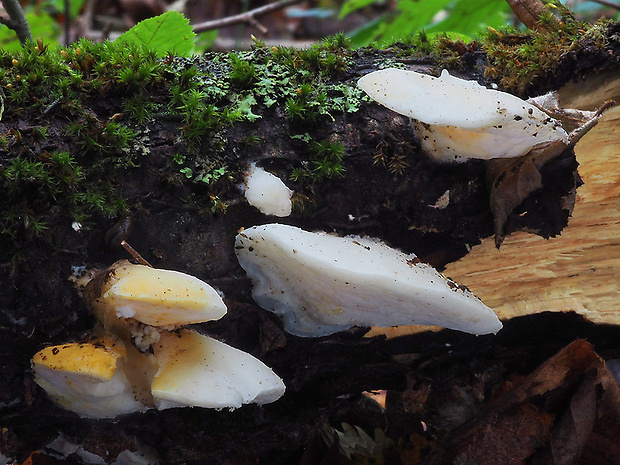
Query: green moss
point(336, 43)
point(325, 160)
point(517, 59)
point(392, 153)
point(242, 72)
point(92, 106)
point(442, 49)
point(38, 82)
point(32, 185)
point(139, 108)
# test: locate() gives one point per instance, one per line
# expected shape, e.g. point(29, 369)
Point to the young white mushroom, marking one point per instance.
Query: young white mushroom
point(320, 284)
point(87, 378)
point(455, 119)
point(197, 370)
point(267, 192)
point(152, 296)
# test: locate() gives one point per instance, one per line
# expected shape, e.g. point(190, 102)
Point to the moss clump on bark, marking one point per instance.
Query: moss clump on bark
point(77, 117)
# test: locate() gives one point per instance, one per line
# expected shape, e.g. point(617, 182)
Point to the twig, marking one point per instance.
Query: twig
point(135, 254)
point(606, 105)
point(529, 12)
point(247, 17)
point(67, 22)
point(17, 20)
point(608, 3)
point(49, 108)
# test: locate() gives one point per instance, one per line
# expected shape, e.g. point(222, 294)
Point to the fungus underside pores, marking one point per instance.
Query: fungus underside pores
point(143, 358)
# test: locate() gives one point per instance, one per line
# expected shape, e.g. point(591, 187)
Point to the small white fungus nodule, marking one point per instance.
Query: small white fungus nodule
point(267, 192)
point(320, 284)
point(456, 119)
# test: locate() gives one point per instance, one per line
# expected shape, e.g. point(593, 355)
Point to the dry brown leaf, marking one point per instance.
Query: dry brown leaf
point(569, 437)
point(550, 417)
point(512, 181)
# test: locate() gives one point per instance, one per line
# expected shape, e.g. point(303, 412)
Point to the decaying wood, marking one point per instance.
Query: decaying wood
point(577, 271)
point(434, 381)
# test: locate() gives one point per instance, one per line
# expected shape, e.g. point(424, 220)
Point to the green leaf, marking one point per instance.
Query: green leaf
point(463, 17)
point(58, 6)
point(205, 40)
point(472, 16)
point(166, 33)
point(365, 34)
point(450, 35)
point(352, 5)
point(414, 16)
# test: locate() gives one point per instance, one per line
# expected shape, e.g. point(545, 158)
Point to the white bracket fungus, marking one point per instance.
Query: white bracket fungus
point(209, 374)
point(267, 192)
point(320, 284)
point(138, 308)
point(455, 119)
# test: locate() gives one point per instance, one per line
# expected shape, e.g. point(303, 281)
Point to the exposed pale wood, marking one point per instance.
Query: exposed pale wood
point(579, 270)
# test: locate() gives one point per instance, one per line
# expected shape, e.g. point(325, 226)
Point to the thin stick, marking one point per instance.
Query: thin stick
point(67, 22)
point(608, 3)
point(17, 20)
point(134, 253)
point(247, 17)
point(529, 12)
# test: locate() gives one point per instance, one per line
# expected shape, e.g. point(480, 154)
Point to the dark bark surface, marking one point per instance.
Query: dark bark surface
point(435, 381)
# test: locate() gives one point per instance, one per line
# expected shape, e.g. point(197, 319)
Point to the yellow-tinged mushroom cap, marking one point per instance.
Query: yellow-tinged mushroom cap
point(199, 371)
point(91, 361)
point(157, 297)
point(84, 378)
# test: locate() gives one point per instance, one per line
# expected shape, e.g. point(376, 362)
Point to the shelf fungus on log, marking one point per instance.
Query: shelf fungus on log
point(208, 374)
point(320, 284)
point(455, 119)
point(141, 359)
point(152, 296)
